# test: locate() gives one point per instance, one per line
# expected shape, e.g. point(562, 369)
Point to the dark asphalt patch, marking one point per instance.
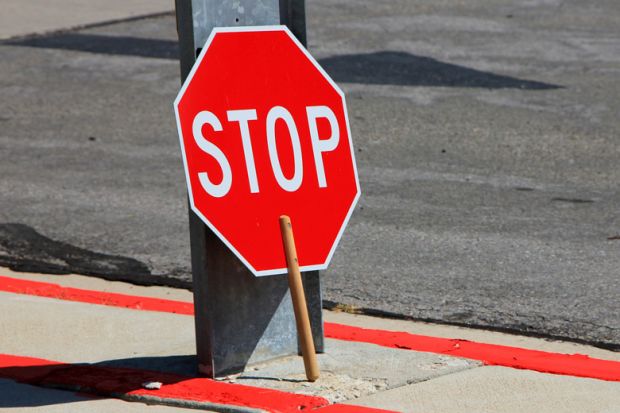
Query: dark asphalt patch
point(22, 248)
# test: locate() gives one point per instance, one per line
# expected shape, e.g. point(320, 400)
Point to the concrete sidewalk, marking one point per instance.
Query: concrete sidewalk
point(354, 373)
point(24, 17)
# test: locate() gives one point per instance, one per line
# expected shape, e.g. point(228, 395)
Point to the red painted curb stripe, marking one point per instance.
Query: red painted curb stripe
point(490, 354)
point(347, 408)
point(49, 290)
point(124, 382)
point(113, 381)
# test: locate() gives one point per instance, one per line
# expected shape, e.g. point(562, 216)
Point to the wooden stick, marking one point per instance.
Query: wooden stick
point(299, 300)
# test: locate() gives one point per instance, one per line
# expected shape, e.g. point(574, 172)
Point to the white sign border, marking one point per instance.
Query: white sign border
point(188, 80)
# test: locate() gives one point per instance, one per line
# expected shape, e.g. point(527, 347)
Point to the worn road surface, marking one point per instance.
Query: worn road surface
point(487, 139)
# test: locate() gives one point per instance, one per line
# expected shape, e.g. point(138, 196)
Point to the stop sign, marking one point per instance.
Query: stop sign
point(264, 133)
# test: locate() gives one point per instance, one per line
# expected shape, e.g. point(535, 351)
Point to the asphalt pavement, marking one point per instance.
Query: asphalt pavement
point(486, 137)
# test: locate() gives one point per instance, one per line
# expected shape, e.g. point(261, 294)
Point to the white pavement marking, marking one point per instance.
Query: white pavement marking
point(22, 17)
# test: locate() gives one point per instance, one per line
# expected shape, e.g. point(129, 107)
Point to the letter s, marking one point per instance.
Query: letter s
point(221, 189)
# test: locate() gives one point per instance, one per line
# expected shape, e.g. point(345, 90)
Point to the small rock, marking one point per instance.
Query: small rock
point(152, 385)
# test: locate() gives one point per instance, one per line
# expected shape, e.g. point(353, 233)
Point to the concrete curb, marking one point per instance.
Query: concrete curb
point(101, 325)
point(577, 365)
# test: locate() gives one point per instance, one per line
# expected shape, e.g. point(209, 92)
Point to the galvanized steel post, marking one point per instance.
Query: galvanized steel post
point(240, 319)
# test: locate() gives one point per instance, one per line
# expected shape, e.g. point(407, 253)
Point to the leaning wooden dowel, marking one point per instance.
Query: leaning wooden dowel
point(299, 300)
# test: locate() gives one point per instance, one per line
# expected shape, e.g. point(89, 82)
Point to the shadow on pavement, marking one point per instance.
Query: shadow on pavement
point(97, 43)
point(14, 394)
point(405, 69)
point(22, 248)
point(378, 68)
point(109, 377)
point(185, 365)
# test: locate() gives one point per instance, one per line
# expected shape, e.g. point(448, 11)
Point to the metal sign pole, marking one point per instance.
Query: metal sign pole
point(239, 318)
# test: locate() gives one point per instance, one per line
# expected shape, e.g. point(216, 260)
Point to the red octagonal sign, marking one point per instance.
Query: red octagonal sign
point(264, 133)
